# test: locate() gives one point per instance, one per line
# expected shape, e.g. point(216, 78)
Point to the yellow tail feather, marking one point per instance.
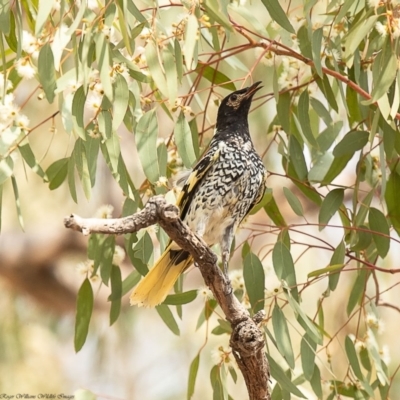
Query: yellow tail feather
point(155, 286)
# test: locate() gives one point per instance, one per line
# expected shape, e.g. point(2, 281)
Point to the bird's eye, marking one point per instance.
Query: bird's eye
point(234, 97)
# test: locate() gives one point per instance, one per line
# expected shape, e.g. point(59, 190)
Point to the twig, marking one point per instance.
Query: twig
point(247, 340)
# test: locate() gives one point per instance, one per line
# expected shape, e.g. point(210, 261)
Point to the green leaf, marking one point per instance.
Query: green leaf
point(316, 49)
point(336, 167)
point(217, 384)
point(103, 58)
point(194, 367)
point(326, 270)
point(191, 41)
point(57, 172)
point(116, 293)
point(265, 199)
point(81, 163)
point(356, 34)
point(384, 72)
point(213, 10)
point(178, 60)
point(130, 282)
point(284, 267)
point(315, 382)
point(352, 142)
point(180, 298)
point(168, 318)
point(378, 223)
point(330, 206)
point(307, 350)
point(17, 201)
point(254, 280)
point(71, 179)
point(293, 201)
point(304, 119)
point(278, 15)
point(44, 9)
point(271, 208)
point(170, 66)
point(215, 77)
point(46, 71)
point(155, 68)
point(357, 291)
point(392, 200)
point(297, 158)
point(184, 142)
point(5, 17)
point(146, 143)
point(84, 308)
point(283, 111)
point(6, 169)
point(325, 87)
point(120, 103)
point(352, 357)
point(30, 159)
point(107, 254)
point(365, 361)
point(78, 107)
point(312, 331)
point(282, 335)
point(280, 376)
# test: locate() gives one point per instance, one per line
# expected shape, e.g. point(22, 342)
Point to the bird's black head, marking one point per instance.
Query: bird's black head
point(235, 107)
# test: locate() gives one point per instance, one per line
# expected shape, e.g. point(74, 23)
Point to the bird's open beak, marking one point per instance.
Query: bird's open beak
point(252, 89)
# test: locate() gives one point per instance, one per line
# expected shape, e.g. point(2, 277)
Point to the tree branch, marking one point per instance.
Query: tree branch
point(247, 340)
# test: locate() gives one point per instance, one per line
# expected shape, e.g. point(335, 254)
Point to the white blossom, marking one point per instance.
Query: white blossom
point(104, 211)
point(29, 44)
point(22, 121)
point(222, 355)
point(24, 68)
point(381, 28)
point(119, 255)
point(205, 293)
point(236, 278)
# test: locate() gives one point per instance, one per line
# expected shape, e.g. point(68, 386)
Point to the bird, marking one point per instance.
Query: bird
point(224, 185)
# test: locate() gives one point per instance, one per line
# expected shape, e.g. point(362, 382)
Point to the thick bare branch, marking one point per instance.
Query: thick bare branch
point(247, 340)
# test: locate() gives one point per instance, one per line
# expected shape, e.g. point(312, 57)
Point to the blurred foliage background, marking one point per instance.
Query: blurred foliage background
point(104, 102)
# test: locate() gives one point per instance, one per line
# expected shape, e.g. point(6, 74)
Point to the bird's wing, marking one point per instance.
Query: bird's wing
point(195, 178)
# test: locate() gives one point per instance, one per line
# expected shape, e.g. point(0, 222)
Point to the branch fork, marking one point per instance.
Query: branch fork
point(247, 340)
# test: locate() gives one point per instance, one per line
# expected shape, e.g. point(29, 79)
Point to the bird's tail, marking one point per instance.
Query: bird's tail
point(155, 286)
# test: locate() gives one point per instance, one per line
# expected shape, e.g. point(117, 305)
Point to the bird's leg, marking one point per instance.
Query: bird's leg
point(226, 248)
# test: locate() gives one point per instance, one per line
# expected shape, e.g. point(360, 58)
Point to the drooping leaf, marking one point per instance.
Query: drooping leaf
point(116, 293)
point(307, 350)
point(254, 278)
point(282, 335)
point(183, 140)
point(278, 15)
point(166, 315)
point(330, 206)
point(84, 308)
point(180, 298)
point(194, 367)
point(57, 172)
point(378, 223)
point(215, 77)
point(352, 142)
point(46, 71)
point(146, 143)
point(293, 201)
point(284, 381)
point(392, 200)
